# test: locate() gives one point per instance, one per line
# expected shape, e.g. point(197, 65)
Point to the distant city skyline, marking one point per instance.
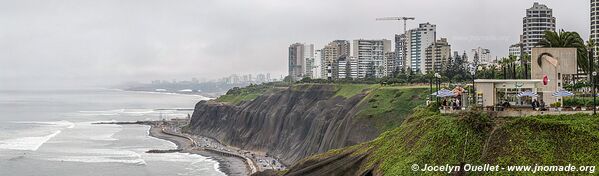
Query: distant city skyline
point(95, 43)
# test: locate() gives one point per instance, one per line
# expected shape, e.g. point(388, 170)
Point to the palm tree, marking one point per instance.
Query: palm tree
point(591, 45)
point(504, 63)
point(567, 39)
point(525, 60)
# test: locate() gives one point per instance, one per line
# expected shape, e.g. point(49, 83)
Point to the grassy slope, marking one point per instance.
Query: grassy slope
point(387, 106)
point(432, 138)
point(238, 95)
point(349, 90)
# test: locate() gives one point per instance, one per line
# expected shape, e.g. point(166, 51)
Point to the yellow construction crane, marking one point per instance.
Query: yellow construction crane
point(404, 19)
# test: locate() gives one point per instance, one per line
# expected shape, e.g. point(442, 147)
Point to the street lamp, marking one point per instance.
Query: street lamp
point(438, 83)
point(430, 97)
point(593, 74)
point(594, 93)
point(473, 72)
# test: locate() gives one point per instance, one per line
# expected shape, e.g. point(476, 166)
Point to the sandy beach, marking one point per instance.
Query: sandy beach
point(230, 165)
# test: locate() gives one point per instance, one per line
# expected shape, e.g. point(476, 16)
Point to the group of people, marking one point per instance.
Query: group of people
point(455, 104)
point(536, 104)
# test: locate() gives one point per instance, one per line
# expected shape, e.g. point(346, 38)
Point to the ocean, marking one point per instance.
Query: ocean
point(50, 132)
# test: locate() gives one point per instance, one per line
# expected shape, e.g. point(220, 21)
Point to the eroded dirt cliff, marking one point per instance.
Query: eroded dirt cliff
point(288, 123)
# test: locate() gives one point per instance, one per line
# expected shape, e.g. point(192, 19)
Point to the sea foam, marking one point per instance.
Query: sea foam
point(27, 143)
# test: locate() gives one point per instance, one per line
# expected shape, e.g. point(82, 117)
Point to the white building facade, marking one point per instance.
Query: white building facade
point(539, 18)
point(417, 41)
point(595, 22)
point(481, 56)
point(370, 55)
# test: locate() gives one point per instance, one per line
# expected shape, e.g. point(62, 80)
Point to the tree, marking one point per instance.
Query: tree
point(456, 69)
point(525, 61)
point(567, 39)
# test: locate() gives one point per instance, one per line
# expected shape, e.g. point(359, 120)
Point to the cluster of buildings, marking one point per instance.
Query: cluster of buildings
point(232, 79)
point(247, 79)
point(417, 50)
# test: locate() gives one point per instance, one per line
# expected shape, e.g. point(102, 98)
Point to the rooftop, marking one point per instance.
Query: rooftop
point(506, 80)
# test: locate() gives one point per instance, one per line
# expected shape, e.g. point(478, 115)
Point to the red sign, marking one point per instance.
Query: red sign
point(545, 80)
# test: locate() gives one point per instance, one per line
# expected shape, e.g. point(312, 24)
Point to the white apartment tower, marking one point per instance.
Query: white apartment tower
point(370, 55)
point(309, 60)
point(595, 22)
point(348, 67)
point(481, 56)
point(317, 69)
point(417, 41)
point(539, 18)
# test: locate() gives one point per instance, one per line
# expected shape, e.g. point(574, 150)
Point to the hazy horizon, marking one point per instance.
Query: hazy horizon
point(80, 43)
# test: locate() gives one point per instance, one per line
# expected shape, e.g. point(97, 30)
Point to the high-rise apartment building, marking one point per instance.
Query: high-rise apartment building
point(417, 41)
point(370, 55)
point(329, 56)
point(515, 50)
point(317, 70)
point(296, 61)
point(539, 18)
point(391, 63)
point(301, 60)
point(309, 60)
point(400, 51)
point(347, 66)
point(481, 56)
point(595, 22)
point(437, 55)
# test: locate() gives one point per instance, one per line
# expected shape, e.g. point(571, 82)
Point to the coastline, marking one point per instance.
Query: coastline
point(229, 165)
point(197, 94)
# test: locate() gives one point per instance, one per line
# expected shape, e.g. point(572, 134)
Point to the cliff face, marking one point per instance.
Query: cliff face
point(288, 123)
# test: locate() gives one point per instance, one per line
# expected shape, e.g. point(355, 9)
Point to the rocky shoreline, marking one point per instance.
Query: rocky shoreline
point(230, 165)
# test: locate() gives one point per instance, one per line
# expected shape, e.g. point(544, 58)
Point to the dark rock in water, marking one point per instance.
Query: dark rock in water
point(288, 123)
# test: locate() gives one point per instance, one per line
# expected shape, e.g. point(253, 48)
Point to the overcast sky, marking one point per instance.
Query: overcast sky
point(82, 43)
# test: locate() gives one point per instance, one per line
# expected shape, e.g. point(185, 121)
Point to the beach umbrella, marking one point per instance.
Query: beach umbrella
point(563, 93)
point(444, 93)
point(527, 94)
point(439, 92)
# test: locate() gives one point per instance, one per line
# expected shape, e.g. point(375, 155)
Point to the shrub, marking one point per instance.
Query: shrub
point(477, 120)
point(556, 104)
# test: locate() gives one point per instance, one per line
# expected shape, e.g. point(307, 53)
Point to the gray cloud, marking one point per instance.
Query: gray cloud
point(84, 43)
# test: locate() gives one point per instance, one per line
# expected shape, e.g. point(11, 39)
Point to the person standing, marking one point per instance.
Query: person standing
point(542, 106)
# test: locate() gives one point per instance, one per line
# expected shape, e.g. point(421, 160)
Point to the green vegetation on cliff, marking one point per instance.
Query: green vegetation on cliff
point(350, 90)
point(237, 95)
point(388, 106)
point(428, 137)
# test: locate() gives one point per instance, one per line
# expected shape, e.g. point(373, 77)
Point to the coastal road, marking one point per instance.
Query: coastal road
point(230, 165)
